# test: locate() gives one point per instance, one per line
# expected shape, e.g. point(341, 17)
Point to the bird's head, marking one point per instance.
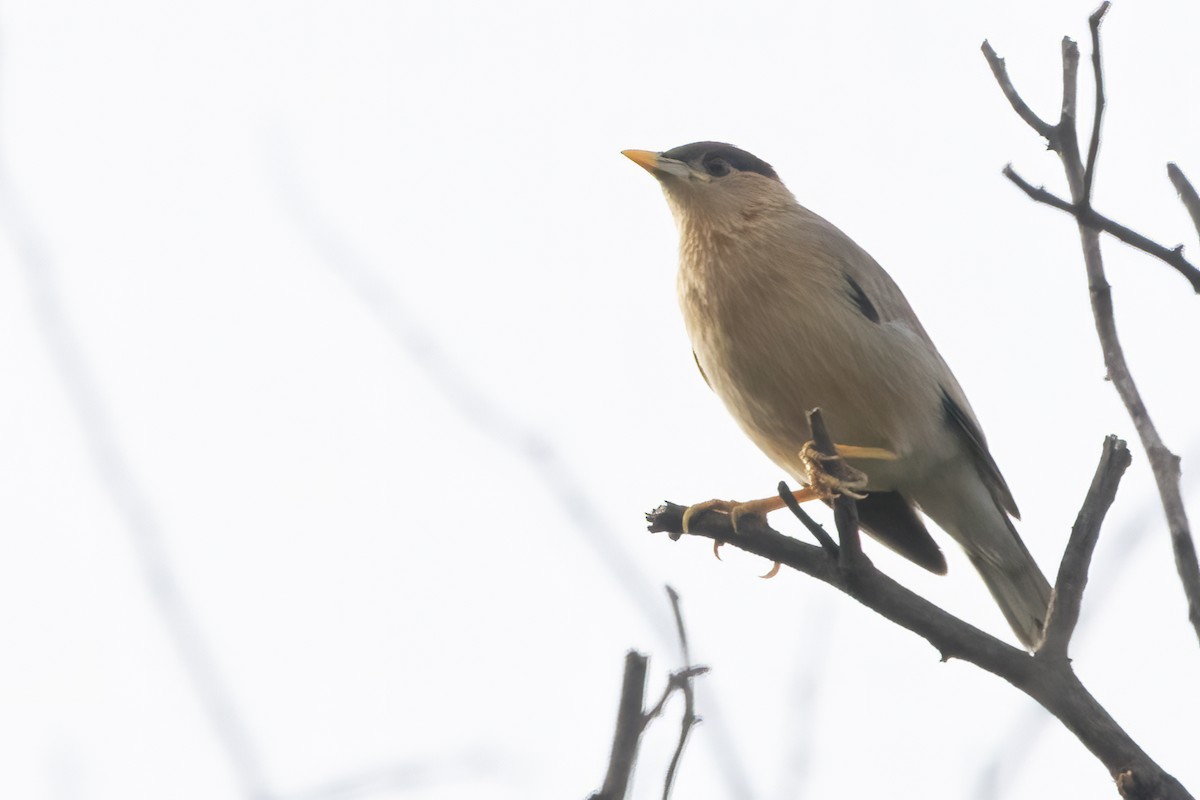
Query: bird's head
point(714, 185)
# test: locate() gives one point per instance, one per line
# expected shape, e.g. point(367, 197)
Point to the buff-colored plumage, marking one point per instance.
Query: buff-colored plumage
point(786, 314)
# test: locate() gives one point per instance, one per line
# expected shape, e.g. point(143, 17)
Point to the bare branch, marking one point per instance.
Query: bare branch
point(1091, 218)
point(1089, 172)
point(630, 724)
point(1077, 558)
point(1051, 682)
point(1122, 544)
point(1187, 193)
point(952, 637)
point(1163, 463)
point(632, 721)
point(1000, 70)
point(1070, 72)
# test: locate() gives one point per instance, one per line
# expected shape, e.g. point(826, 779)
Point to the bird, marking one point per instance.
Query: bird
point(786, 313)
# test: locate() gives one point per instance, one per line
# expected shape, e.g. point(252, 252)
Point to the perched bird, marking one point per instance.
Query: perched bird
point(786, 314)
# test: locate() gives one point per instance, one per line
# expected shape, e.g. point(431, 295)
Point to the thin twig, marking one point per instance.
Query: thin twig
point(632, 721)
point(826, 541)
point(1077, 558)
point(1000, 70)
point(1089, 172)
point(674, 684)
point(683, 641)
point(1187, 193)
point(684, 681)
point(845, 511)
point(1066, 121)
point(1061, 138)
point(1088, 216)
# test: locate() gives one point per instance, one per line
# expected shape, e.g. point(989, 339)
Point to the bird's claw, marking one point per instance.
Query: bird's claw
point(744, 511)
point(689, 513)
point(830, 476)
point(736, 511)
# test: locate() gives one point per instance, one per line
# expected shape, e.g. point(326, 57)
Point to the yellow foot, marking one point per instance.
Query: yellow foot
point(831, 476)
point(691, 511)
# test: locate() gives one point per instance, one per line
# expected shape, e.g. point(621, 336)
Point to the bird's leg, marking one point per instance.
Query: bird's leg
point(854, 451)
point(828, 477)
point(738, 511)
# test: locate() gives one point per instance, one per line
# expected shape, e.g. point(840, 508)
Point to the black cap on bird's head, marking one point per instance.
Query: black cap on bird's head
point(720, 156)
point(701, 160)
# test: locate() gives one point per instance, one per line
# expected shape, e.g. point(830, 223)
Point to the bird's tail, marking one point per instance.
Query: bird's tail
point(1019, 588)
point(962, 505)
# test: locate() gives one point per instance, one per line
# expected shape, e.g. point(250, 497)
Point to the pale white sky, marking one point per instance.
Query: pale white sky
point(352, 315)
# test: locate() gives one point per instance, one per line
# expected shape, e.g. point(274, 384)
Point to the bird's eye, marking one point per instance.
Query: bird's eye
point(717, 167)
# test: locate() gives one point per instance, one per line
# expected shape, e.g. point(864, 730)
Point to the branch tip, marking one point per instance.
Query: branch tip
point(1072, 577)
point(1187, 194)
point(818, 532)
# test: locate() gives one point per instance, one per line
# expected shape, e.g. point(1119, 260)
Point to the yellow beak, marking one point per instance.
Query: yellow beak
point(643, 158)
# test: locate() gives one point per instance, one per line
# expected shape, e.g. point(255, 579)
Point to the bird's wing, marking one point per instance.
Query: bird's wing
point(696, 358)
point(879, 299)
point(876, 294)
point(959, 417)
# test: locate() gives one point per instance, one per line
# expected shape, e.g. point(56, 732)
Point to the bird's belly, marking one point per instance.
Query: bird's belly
point(872, 392)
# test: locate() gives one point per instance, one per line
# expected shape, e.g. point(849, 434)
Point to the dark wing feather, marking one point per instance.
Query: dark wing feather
point(891, 519)
point(861, 300)
point(968, 429)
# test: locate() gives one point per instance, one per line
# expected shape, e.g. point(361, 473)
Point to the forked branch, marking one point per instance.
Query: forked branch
point(1063, 139)
point(632, 720)
point(1046, 677)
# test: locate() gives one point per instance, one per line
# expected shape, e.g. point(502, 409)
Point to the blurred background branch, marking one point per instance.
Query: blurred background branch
point(118, 479)
point(632, 720)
